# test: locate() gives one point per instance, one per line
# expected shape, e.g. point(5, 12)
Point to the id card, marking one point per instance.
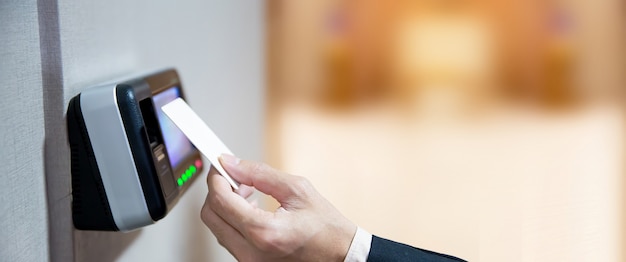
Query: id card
point(199, 134)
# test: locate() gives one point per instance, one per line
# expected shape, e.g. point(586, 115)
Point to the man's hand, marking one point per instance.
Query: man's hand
point(306, 227)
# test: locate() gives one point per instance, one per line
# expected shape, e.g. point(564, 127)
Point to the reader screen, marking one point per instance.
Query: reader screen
point(177, 144)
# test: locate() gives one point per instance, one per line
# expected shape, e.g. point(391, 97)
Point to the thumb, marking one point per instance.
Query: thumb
point(264, 178)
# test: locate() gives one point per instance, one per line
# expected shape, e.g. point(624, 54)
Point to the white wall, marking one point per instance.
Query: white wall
point(23, 227)
point(217, 47)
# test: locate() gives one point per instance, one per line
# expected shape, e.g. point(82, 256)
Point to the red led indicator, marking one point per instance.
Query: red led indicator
point(198, 163)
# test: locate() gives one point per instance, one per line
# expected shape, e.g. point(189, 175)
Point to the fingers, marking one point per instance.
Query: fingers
point(232, 208)
point(226, 235)
point(264, 178)
point(212, 171)
point(244, 190)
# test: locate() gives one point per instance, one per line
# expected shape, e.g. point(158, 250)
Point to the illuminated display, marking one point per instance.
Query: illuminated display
point(177, 144)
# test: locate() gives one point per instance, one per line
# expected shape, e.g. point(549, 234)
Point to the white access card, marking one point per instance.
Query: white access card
point(199, 134)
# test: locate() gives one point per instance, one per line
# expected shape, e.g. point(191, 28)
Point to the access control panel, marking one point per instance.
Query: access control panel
point(130, 163)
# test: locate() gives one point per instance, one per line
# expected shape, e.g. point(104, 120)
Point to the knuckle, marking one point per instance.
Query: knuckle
point(208, 219)
point(205, 213)
point(214, 200)
point(216, 203)
point(300, 186)
point(220, 241)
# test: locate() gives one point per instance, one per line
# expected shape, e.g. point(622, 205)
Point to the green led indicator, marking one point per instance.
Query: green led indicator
point(187, 175)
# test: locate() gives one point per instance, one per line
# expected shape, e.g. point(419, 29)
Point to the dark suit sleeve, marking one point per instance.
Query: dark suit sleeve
point(387, 250)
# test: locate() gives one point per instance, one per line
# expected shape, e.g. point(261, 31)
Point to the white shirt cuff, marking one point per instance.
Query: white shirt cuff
point(360, 247)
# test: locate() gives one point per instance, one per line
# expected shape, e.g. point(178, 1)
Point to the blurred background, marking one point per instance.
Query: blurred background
point(489, 130)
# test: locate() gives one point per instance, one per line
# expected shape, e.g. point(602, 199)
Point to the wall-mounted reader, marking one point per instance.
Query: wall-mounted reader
point(130, 163)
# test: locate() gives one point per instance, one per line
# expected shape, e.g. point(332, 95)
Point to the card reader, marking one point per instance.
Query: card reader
point(129, 163)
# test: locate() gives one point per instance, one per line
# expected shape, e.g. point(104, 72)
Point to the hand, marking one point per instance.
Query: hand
point(306, 227)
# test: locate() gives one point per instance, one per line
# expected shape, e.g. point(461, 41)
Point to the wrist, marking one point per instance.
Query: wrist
point(342, 234)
